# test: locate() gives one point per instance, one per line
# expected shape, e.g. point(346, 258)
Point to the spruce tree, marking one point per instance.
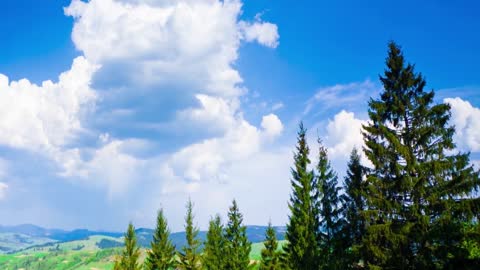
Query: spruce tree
point(237, 246)
point(213, 252)
point(301, 250)
point(353, 201)
point(419, 194)
point(189, 258)
point(161, 256)
point(331, 223)
point(128, 260)
point(270, 253)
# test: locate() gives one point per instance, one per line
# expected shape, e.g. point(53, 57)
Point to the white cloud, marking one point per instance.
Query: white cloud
point(214, 113)
point(466, 119)
point(277, 106)
point(272, 125)
point(263, 32)
point(205, 160)
point(150, 50)
point(190, 44)
point(349, 95)
point(343, 133)
point(112, 166)
point(46, 117)
point(268, 173)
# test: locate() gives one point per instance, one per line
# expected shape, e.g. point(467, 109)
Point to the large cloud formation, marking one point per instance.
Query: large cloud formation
point(145, 65)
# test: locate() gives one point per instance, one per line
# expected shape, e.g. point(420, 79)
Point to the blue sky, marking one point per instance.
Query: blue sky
point(161, 100)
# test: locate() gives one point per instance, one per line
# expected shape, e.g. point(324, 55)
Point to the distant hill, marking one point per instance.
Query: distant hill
point(55, 234)
point(254, 233)
point(22, 237)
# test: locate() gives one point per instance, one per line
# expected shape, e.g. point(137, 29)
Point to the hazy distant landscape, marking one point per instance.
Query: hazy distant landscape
point(33, 247)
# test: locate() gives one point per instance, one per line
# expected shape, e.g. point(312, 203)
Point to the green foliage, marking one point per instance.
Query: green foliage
point(237, 246)
point(270, 254)
point(213, 252)
point(418, 195)
point(162, 253)
point(189, 258)
point(301, 251)
point(331, 223)
point(128, 260)
point(353, 201)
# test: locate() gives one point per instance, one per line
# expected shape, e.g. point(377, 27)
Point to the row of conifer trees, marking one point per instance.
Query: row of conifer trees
point(225, 247)
point(415, 206)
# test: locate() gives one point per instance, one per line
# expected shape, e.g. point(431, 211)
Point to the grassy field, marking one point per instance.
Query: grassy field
point(89, 257)
point(60, 260)
point(92, 243)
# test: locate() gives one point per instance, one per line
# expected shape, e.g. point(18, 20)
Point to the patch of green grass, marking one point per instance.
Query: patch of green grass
point(90, 257)
point(61, 260)
point(89, 244)
point(256, 252)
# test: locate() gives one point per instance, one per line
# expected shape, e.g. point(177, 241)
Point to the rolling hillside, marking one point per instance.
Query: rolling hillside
point(32, 247)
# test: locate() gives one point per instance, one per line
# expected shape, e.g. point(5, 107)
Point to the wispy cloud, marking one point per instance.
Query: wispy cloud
point(353, 96)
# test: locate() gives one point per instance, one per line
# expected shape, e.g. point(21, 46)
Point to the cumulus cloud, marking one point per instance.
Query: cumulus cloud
point(204, 161)
point(46, 116)
point(466, 119)
point(264, 33)
point(161, 62)
point(183, 49)
point(190, 44)
point(272, 125)
point(111, 166)
point(343, 133)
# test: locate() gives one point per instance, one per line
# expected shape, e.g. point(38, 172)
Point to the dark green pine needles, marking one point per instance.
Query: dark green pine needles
point(353, 201)
point(270, 254)
point(189, 258)
point(237, 247)
point(419, 193)
point(128, 260)
point(301, 250)
point(331, 222)
point(213, 252)
point(161, 256)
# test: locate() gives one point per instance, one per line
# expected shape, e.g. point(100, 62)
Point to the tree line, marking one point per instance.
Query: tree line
point(415, 206)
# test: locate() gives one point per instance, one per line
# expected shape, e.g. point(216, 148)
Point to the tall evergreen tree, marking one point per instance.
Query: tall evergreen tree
point(161, 256)
point(419, 195)
point(270, 253)
point(353, 201)
point(301, 250)
point(128, 260)
point(214, 253)
point(237, 247)
point(331, 223)
point(190, 255)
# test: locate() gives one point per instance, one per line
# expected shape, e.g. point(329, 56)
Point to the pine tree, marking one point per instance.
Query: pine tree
point(162, 253)
point(331, 223)
point(237, 247)
point(190, 256)
point(128, 260)
point(419, 195)
point(270, 254)
point(301, 250)
point(213, 253)
point(353, 201)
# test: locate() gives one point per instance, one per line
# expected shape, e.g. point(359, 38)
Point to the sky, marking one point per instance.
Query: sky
point(111, 109)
